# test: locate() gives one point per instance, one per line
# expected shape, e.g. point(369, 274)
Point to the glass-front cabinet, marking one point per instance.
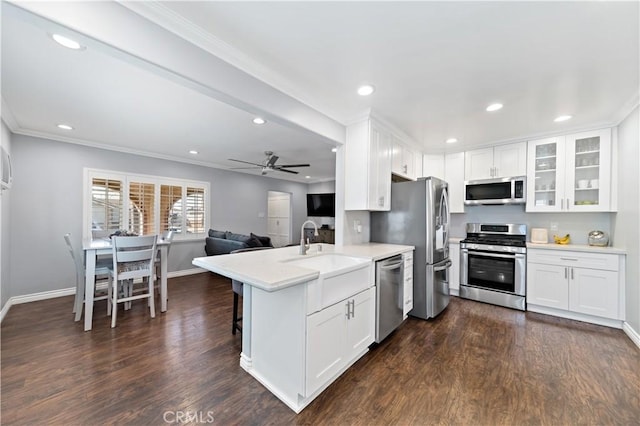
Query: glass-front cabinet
point(570, 173)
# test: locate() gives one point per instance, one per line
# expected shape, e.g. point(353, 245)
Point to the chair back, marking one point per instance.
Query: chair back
point(133, 257)
point(76, 259)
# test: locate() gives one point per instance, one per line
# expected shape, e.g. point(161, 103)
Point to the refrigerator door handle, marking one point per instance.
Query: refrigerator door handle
point(443, 267)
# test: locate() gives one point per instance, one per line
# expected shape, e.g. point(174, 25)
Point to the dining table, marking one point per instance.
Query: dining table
point(95, 247)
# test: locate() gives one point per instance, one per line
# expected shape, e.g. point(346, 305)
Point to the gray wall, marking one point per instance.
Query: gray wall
point(5, 203)
point(627, 222)
point(47, 203)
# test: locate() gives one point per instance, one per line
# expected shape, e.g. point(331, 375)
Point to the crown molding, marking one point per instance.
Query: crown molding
point(627, 108)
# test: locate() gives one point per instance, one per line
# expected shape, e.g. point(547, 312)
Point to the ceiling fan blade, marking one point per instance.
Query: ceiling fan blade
point(272, 160)
point(284, 170)
point(240, 168)
point(294, 165)
point(246, 162)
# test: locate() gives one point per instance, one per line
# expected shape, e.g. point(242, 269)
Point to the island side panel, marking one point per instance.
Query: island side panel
point(278, 321)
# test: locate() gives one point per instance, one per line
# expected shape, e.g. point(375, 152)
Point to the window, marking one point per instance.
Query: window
point(146, 204)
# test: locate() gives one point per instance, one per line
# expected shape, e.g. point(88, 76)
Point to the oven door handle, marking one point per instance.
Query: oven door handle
point(502, 256)
point(443, 267)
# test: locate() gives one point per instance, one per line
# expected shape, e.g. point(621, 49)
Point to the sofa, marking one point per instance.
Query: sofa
point(224, 242)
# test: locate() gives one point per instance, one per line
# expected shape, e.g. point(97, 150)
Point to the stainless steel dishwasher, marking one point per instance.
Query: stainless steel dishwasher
point(389, 295)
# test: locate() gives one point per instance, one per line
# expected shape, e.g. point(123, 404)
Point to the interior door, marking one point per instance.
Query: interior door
point(279, 218)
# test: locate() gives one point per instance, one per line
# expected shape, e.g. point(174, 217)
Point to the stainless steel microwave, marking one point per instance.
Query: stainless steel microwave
point(509, 190)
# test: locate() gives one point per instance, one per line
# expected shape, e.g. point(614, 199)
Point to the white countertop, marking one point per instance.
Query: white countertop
point(270, 271)
point(576, 247)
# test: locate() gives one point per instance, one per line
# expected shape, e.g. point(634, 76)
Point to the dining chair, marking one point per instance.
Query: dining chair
point(133, 258)
point(166, 236)
point(237, 287)
point(102, 273)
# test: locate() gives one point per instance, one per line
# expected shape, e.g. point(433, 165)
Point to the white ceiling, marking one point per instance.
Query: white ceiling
point(436, 66)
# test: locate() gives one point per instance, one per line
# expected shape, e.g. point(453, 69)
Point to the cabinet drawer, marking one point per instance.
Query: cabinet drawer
point(608, 262)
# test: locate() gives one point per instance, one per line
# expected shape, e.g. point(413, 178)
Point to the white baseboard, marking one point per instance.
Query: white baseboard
point(633, 334)
point(33, 297)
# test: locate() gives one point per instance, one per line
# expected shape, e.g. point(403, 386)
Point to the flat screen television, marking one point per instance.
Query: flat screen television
point(321, 205)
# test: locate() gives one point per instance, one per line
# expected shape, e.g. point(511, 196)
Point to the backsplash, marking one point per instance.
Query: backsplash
point(577, 225)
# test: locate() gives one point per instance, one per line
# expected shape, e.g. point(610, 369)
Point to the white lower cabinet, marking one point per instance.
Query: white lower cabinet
point(580, 285)
point(454, 272)
point(336, 336)
point(408, 283)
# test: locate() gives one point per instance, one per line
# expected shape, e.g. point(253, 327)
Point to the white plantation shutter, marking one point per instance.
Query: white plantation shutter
point(146, 205)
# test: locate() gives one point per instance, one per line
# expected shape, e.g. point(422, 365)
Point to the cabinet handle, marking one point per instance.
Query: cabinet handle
point(569, 258)
point(568, 202)
point(353, 308)
point(346, 305)
point(561, 203)
point(565, 273)
point(571, 273)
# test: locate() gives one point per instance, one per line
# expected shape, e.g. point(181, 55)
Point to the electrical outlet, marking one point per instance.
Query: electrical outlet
point(553, 226)
point(356, 225)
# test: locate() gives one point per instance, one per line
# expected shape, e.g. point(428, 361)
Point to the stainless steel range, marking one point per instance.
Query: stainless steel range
point(493, 261)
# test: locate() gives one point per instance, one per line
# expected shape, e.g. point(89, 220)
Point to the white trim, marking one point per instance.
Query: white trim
point(633, 334)
point(5, 309)
point(185, 272)
point(8, 117)
point(627, 108)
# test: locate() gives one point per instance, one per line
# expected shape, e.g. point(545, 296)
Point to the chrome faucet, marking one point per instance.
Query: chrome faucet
point(304, 247)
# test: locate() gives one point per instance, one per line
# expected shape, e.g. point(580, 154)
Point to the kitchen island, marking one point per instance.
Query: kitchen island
point(306, 318)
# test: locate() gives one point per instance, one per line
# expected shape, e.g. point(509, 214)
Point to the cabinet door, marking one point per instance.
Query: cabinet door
point(510, 160)
point(548, 285)
point(454, 176)
point(326, 342)
point(545, 175)
point(594, 292)
point(454, 272)
point(380, 169)
point(478, 164)
point(434, 165)
point(397, 161)
point(588, 171)
point(362, 324)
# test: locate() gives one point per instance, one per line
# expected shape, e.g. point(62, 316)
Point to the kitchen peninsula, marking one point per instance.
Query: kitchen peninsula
point(306, 318)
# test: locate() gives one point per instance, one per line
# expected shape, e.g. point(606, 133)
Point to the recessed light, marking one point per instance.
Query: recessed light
point(366, 90)
point(451, 140)
point(67, 42)
point(494, 107)
point(193, 151)
point(562, 118)
point(64, 127)
point(334, 149)
point(307, 177)
point(259, 120)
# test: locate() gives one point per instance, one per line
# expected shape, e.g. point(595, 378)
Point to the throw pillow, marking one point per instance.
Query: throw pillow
point(217, 234)
point(237, 237)
point(265, 241)
point(253, 242)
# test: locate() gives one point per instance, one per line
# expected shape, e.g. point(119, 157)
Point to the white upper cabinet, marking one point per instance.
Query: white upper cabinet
point(570, 173)
point(454, 176)
point(403, 159)
point(367, 167)
point(499, 161)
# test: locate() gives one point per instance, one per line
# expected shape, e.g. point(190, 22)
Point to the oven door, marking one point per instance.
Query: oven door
point(504, 272)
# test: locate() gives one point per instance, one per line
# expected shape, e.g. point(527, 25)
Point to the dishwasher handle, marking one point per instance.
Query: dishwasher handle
point(391, 266)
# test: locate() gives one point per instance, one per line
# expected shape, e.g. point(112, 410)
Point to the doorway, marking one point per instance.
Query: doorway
point(279, 218)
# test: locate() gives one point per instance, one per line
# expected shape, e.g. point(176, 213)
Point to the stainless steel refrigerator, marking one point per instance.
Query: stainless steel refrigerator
point(419, 216)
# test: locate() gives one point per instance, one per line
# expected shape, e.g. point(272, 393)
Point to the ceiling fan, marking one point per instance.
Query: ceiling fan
point(269, 164)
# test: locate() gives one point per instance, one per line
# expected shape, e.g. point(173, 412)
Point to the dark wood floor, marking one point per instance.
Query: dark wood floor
point(476, 364)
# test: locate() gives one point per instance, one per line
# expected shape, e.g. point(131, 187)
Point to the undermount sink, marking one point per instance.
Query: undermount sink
point(340, 277)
